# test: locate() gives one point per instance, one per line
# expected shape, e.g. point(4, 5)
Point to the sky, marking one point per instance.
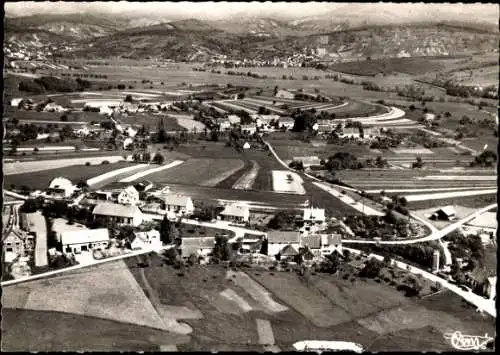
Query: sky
point(211, 10)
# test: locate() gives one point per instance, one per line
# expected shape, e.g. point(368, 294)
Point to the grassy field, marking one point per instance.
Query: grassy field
point(467, 201)
point(203, 172)
point(414, 66)
point(41, 179)
point(151, 121)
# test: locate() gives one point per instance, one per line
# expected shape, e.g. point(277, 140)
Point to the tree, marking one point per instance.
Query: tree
point(221, 251)
point(158, 158)
point(128, 98)
point(31, 205)
point(146, 157)
point(264, 247)
point(64, 118)
point(165, 231)
point(241, 96)
point(372, 268)
point(82, 184)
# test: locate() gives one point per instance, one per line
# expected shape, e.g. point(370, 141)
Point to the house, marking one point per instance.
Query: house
point(224, 124)
point(235, 213)
point(491, 288)
point(307, 161)
point(264, 120)
point(288, 253)
point(286, 122)
point(61, 188)
point(322, 244)
point(246, 146)
point(128, 143)
point(76, 241)
point(121, 214)
point(178, 204)
point(446, 213)
point(128, 196)
point(248, 128)
point(146, 240)
point(82, 131)
point(234, 119)
point(277, 240)
point(284, 94)
point(486, 222)
point(13, 243)
point(53, 107)
point(199, 246)
point(15, 102)
point(131, 132)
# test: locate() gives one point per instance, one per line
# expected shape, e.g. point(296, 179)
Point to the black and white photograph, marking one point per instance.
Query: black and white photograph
point(249, 176)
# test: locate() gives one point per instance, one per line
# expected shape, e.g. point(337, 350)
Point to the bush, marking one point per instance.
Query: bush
point(105, 162)
point(87, 163)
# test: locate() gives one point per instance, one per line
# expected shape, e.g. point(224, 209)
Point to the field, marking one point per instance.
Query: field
point(152, 121)
point(469, 201)
point(224, 310)
point(40, 179)
point(286, 181)
point(203, 172)
point(414, 66)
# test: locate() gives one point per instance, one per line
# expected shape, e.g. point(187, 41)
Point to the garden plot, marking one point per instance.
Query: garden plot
point(152, 171)
point(256, 291)
point(40, 165)
point(459, 177)
point(111, 174)
point(287, 182)
point(444, 195)
point(203, 172)
point(229, 302)
point(232, 104)
point(416, 151)
point(246, 181)
point(107, 291)
point(190, 124)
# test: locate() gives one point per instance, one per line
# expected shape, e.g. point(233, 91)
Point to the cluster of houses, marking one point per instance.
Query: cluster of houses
point(112, 107)
point(263, 123)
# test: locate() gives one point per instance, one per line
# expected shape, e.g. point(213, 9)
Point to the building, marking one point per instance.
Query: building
point(246, 146)
point(288, 253)
point(248, 128)
point(446, 213)
point(131, 132)
point(128, 196)
point(121, 214)
point(284, 94)
point(234, 119)
point(435, 261)
point(277, 240)
point(322, 244)
point(235, 213)
point(15, 102)
point(224, 124)
point(491, 288)
point(76, 241)
point(200, 246)
point(486, 223)
point(178, 204)
point(286, 122)
point(146, 240)
point(308, 161)
point(53, 107)
point(60, 187)
point(128, 143)
point(13, 243)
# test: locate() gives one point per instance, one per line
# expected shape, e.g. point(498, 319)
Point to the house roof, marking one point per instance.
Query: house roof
point(146, 236)
point(175, 200)
point(283, 237)
point(447, 210)
point(116, 210)
point(248, 126)
point(84, 236)
point(286, 120)
point(234, 119)
point(317, 214)
point(331, 239)
point(485, 220)
point(235, 210)
point(312, 241)
point(289, 250)
point(130, 190)
point(60, 183)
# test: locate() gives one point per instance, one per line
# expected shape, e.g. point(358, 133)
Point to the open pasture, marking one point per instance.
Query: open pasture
point(41, 179)
point(151, 121)
point(203, 172)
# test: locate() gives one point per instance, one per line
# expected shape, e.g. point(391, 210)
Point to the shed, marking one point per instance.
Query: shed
point(76, 241)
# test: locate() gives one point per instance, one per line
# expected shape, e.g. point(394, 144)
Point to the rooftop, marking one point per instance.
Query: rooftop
point(84, 236)
point(283, 237)
point(116, 210)
point(235, 210)
point(175, 200)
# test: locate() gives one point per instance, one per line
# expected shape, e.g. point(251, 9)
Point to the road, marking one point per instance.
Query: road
point(238, 231)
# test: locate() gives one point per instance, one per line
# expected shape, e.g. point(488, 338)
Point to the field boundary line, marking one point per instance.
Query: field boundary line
point(110, 174)
point(151, 171)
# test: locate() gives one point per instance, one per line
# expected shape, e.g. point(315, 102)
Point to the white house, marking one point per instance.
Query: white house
point(178, 204)
point(147, 240)
point(61, 187)
point(235, 213)
point(492, 288)
point(224, 124)
point(15, 102)
point(106, 110)
point(128, 196)
point(307, 161)
point(121, 214)
point(76, 241)
point(284, 94)
point(53, 107)
point(286, 122)
point(201, 247)
point(234, 119)
point(248, 128)
point(246, 146)
point(82, 131)
point(265, 119)
point(131, 132)
point(314, 215)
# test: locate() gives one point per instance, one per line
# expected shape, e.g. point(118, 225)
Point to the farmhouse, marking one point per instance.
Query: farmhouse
point(446, 213)
point(286, 122)
point(128, 196)
point(224, 124)
point(76, 241)
point(264, 120)
point(314, 215)
point(15, 102)
point(283, 94)
point(60, 187)
point(146, 240)
point(235, 213)
point(322, 244)
point(277, 240)
point(246, 146)
point(201, 247)
point(121, 214)
point(178, 204)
